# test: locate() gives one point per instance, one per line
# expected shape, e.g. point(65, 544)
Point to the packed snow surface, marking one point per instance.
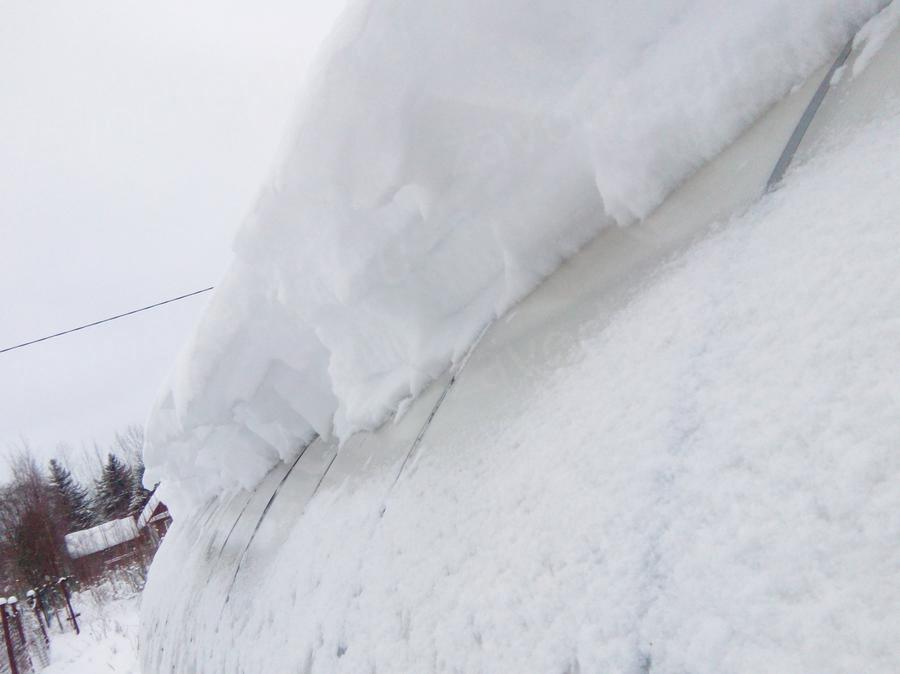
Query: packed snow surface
point(101, 537)
point(705, 481)
point(447, 156)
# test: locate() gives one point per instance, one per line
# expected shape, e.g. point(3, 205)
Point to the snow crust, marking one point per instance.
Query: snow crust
point(101, 537)
point(705, 482)
point(447, 156)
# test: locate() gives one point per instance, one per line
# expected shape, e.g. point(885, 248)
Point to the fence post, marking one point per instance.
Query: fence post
point(72, 615)
point(7, 637)
point(24, 651)
point(49, 607)
point(34, 600)
point(14, 605)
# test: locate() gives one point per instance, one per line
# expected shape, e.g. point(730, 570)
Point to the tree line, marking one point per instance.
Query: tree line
point(39, 505)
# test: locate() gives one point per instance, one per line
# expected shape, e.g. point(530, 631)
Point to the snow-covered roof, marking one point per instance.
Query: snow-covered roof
point(147, 513)
point(101, 537)
point(434, 178)
point(677, 455)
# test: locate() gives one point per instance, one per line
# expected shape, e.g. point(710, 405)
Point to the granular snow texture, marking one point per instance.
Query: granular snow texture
point(447, 156)
point(706, 482)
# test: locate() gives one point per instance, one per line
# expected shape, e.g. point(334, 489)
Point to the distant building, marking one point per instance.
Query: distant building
point(120, 542)
point(113, 543)
point(154, 520)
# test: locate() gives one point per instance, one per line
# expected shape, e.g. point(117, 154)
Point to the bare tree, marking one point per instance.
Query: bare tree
point(129, 444)
point(32, 531)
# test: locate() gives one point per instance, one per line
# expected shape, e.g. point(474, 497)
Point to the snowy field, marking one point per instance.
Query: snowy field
point(108, 640)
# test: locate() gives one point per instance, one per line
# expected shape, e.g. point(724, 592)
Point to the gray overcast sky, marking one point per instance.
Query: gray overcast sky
point(133, 138)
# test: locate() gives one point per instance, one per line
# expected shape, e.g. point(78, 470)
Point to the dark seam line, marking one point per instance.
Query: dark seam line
point(787, 155)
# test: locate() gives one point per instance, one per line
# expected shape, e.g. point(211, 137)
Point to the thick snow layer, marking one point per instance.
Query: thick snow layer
point(447, 156)
point(709, 487)
point(101, 537)
point(705, 481)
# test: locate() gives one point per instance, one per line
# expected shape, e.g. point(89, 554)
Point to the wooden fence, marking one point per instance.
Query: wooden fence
point(26, 627)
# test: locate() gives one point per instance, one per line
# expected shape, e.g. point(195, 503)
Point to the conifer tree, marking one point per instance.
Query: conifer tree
point(139, 494)
point(71, 500)
point(113, 499)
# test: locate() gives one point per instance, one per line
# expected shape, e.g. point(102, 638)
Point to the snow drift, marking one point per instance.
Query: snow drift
point(677, 454)
point(447, 156)
point(688, 468)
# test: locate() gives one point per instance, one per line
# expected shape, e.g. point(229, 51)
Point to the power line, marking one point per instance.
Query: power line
point(106, 320)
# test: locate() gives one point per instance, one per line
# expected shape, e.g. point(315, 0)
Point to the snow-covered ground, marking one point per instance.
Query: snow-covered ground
point(108, 640)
